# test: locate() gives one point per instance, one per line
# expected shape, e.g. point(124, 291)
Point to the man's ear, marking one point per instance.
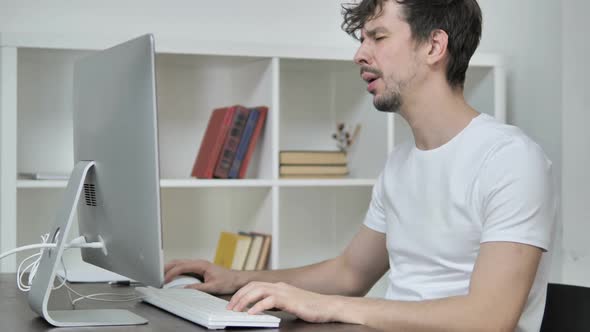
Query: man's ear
point(437, 46)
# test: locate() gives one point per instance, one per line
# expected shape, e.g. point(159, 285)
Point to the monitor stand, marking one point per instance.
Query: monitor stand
point(43, 282)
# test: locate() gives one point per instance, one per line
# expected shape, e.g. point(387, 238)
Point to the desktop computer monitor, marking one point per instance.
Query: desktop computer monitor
point(115, 182)
point(115, 125)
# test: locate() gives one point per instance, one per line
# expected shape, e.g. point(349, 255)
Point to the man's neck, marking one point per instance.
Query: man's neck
point(436, 114)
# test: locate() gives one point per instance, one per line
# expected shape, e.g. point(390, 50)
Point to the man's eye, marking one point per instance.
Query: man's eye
point(380, 38)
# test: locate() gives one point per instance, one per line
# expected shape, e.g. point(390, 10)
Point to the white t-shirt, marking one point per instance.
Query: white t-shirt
point(489, 183)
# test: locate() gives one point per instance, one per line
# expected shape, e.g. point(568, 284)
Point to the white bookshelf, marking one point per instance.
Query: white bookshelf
point(307, 90)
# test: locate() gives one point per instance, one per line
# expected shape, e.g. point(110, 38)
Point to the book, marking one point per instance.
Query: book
point(232, 250)
point(230, 145)
point(262, 262)
point(251, 123)
point(212, 142)
point(313, 170)
point(226, 246)
point(241, 252)
point(262, 114)
point(254, 253)
point(313, 157)
point(313, 176)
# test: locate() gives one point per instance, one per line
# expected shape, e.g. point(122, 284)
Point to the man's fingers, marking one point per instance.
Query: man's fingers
point(254, 295)
point(239, 294)
point(266, 304)
point(171, 264)
point(198, 267)
point(203, 287)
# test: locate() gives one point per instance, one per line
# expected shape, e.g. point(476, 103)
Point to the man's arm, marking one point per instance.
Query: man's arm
point(500, 284)
point(353, 272)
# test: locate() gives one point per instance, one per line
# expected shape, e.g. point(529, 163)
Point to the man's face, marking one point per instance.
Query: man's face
point(388, 58)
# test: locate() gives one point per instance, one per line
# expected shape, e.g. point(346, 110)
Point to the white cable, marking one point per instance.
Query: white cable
point(44, 239)
point(25, 287)
point(29, 247)
point(131, 296)
point(20, 283)
point(95, 297)
point(96, 245)
point(79, 242)
point(126, 297)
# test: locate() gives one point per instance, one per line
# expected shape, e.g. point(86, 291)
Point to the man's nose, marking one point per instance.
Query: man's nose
point(361, 56)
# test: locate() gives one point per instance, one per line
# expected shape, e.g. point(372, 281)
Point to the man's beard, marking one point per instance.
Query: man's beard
point(390, 102)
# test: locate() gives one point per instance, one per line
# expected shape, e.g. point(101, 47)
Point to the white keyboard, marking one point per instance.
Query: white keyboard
point(202, 308)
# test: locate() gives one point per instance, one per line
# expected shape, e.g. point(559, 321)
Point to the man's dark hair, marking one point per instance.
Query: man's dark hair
point(460, 19)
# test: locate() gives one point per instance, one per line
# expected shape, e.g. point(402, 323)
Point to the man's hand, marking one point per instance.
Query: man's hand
point(309, 306)
point(216, 279)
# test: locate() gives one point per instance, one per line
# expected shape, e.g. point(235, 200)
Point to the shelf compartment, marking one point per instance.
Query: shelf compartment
point(317, 223)
point(315, 95)
point(45, 82)
point(190, 87)
point(192, 220)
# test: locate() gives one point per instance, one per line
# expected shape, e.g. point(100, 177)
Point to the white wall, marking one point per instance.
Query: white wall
point(576, 142)
point(528, 32)
point(301, 22)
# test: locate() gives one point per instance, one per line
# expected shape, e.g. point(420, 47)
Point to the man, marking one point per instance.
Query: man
point(462, 216)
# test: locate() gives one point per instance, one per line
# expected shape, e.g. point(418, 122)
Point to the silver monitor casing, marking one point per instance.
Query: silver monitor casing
point(116, 177)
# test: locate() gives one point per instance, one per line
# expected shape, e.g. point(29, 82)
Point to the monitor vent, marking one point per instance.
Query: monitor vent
point(90, 194)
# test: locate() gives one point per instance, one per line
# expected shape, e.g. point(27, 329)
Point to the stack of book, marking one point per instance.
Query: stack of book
point(243, 251)
point(313, 164)
point(228, 142)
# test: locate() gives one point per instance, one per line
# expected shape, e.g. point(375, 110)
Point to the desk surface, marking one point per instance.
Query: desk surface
point(16, 315)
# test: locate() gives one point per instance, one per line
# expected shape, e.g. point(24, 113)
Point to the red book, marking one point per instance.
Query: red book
point(230, 145)
point(262, 110)
point(219, 124)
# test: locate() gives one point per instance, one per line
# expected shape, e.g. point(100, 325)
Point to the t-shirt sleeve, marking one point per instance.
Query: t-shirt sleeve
point(375, 217)
point(517, 195)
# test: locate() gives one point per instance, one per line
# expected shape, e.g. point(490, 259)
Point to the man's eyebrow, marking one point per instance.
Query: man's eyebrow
point(373, 32)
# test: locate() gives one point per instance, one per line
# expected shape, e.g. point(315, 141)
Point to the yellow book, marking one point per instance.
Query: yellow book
point(232, 250)
point(226, 247)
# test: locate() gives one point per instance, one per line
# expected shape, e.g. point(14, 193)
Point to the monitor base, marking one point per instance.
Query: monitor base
point(98, 317)
point(43, 281)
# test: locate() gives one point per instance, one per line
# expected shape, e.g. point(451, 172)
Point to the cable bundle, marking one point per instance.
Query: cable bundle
point(35, 259)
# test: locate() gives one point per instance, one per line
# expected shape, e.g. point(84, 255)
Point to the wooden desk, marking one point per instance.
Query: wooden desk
point(17, 316)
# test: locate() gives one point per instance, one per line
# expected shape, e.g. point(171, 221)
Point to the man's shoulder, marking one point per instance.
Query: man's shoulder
point(489, 128)
point(508, 141)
